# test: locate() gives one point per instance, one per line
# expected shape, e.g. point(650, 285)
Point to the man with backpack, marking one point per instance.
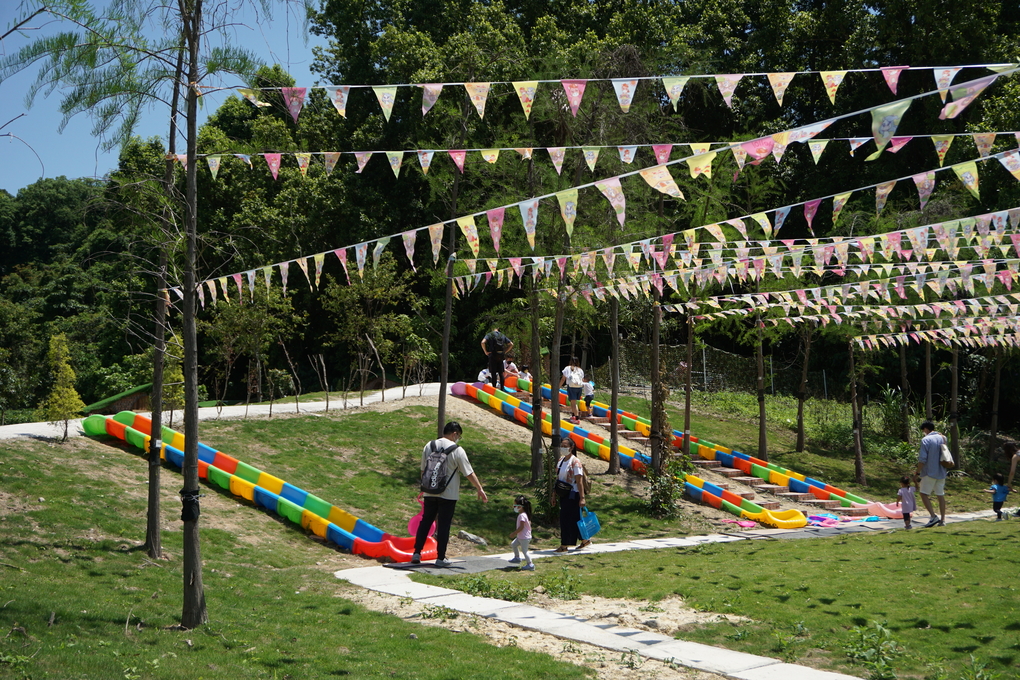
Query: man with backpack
point(496, 345)
point(443, 461)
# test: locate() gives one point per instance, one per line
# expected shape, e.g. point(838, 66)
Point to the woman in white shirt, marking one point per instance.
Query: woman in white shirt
point(570, 471)
point(573, 378)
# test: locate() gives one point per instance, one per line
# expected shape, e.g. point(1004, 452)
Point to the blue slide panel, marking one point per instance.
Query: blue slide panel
point(693, 491)
point(266, 499)
point(174, 456)
point(724, 458)
point(367, 532)
point(340, 537)
point(815, 482)
point(798, 486)
point(206, 454)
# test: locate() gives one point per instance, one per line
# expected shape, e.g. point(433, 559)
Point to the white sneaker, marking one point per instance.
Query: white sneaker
point(440, 562)
point(932, 522)
point(416, 558)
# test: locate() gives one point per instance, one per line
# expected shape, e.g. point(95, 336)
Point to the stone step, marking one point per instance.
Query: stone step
point(732, 473)
point(749, 495)
point(796, 497)
point(772, 488)
point(632, 434)
point(768, 505)
point(851, 512)
point(594, 420)
point(708, 464)
point(749, 481)
point(819, 503)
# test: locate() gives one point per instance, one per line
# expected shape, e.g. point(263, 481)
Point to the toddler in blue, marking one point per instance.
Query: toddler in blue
point(999, 491)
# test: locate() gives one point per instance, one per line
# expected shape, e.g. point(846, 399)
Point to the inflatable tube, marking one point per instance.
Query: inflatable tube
point(265, 491)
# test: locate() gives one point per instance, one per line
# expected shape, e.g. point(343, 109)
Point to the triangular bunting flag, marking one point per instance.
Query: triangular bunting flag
point(925, 183)
point(330, 159)
point(763, 220)
point(284, 275)
point(458, 156)
point(467, 226)
point(575, 91)
point(252, 96)
point(837, 205)
point(779, 142)
point(758, 148)
point(942, 143)
point(495, 218)
point(612, 190)
point(591, 155)
point(214, 165)
point(701, 164)
point(780, 217)
point(529, 215)
point(662, 152)
point(341, 254)
point(810, 209)
point(425, 159)
point(943, 79)
point(984, 142)
point(1011, 161)
point(882, 195)
point(556, 156)
point(302, 162)
point(568, 208)
point(627, 153)
point(478, 92)
point(396, 159)
point(380, 246)
point(302, 264)
point(964, 95)
point(525, 153)
point(338, 95)
point(409, 238)
point(832, 80)
point(624, 92)
point(436, 240)
point(526, 93)
point(968, 174)
point(362, 158)
point(892, 76)
point(490, 155)
point(674, 88)
point(360, 254)
point(779, 83)
point(897, 143)
point(817, 146)
point(658, 178)
point(856, 143)
point(273, 161)
point(727, 84)
point(387, 96)
point(884, 121)
point(294, 98)
point(429, 95)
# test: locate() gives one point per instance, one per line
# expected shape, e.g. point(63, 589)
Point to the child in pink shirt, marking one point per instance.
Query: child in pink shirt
point(522, 534)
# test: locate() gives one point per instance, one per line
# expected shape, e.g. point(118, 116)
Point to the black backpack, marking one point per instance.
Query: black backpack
point(434, 479)
point(496, 342)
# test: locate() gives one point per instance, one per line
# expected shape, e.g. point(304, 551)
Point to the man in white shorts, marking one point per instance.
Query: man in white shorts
point(933, 475)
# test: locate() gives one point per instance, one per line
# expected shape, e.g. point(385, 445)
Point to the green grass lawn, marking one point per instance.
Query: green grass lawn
point(944, 595)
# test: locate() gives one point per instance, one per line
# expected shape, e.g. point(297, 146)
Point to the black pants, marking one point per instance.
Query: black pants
point(997, 507)
point(443, 509)
point(570, 515)
point(496, 369)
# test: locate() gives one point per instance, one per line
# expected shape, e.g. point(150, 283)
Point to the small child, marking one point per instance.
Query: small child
point(483, 375)
point(588, 392)
point(906, 500)
point(522, 534)
point(999, 491)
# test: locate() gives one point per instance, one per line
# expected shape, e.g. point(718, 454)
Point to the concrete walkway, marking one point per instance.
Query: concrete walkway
point(397, 581)
point(280, 408)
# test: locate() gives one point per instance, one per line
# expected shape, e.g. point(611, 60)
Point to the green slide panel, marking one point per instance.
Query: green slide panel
point(219, 477)
point(248, 473)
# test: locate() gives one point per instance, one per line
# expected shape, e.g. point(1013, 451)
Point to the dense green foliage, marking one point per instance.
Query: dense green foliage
point(84, 251)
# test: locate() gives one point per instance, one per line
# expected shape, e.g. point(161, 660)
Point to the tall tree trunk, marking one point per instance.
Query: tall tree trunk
point(993, 429)
point(537, 443)
point(927, 381)
point(657, 405)
point(904, 394)
point(858, 425)
point(554, 369)
point(954, 409)
point(194, 611)
point(688, 387)
point(614, 396)
point(763, 437)
point(802, 392)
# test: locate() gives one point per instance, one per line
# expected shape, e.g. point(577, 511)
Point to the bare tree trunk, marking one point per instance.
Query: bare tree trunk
point(954, 409)
point(657, 405)
point(554, 369)
point(382, 369)
point(614, 397)
point(802, 392)
point(688, 387)
point(293, 372)
point(993, 430)
point(537, 444)
point(927, 381)
point(858, 425)
point(904, 393)
point(194, 611)
point(763, 437)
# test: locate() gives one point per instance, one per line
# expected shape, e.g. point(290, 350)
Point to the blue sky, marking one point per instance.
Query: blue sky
point(75, 152)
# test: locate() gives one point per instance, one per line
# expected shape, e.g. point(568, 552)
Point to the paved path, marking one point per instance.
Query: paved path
point(397, 582)
point(282, 407)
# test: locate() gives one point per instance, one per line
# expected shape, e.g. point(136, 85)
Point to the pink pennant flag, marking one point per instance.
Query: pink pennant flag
point(240, 287)
point(561, 262)
point(892, 76)
point(409, 239)
point(613, 192)
point(515, 264)
point(627, 153)
point(759, 148)
point(303, 159)
point(625, 89)
point(832, 80)
point(810, 209)
point(556, 156)
point(943, 79)
point(897, 143)
point(425, 159)
point(330, 159)
point(495, 217)
point(362, 158)
point(727, 84)
point(478, 92)
point(779, 83)
point(338, 95)
point(458, 157)
point(273, 161)
point(294, 97)
point(182, 158)
point(964, 95)
point(575, 91)
point(429, 95)
point(925, 183)
point(662, 152)
point(436, 239)
point(529, 216)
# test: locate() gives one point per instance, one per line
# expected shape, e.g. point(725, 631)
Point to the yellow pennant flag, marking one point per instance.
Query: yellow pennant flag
point(568, 208)
point(526, 93)
point(832, 81)
point(674, 86)
point(968, 174)
point(658, 178)
point(387, 96)
point(701, 164)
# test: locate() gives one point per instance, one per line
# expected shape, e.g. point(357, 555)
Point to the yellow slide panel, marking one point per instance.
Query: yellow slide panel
point(342, 519)
point(242, 487)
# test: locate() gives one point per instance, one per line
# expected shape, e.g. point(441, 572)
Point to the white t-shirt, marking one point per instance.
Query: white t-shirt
point(457, 464)
point(510, 367)
point(564, 471)
point(574, 376)
point(588, 389)
point(484, 375)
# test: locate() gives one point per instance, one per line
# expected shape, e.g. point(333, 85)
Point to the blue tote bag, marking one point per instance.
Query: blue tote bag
point(588, 525)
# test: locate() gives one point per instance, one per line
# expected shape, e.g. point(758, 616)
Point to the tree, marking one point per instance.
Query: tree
point(63, 403)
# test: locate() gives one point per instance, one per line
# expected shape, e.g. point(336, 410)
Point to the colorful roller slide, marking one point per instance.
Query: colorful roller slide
point(636, 461)
point(264, 490)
